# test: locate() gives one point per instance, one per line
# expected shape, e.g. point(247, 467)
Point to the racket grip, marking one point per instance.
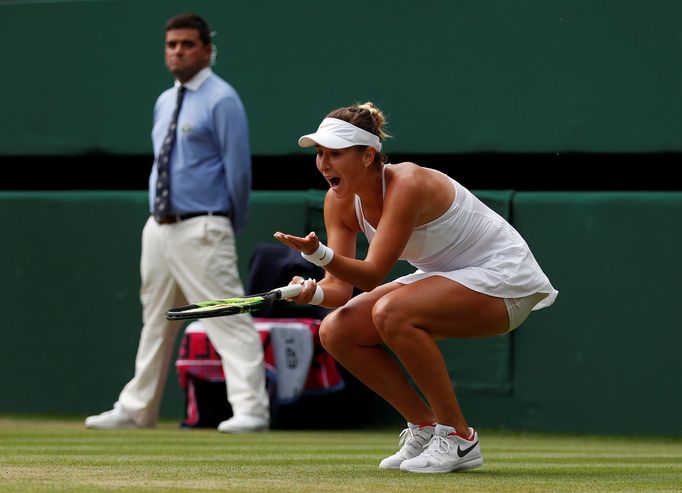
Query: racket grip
point(290, 291)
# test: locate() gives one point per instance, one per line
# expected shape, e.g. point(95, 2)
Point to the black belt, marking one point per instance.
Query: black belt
point(181, 217)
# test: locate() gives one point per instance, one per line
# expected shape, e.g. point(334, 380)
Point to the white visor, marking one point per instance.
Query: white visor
point(339, 134)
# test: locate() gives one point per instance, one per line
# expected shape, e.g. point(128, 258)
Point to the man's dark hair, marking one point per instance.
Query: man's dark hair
point(191, 21)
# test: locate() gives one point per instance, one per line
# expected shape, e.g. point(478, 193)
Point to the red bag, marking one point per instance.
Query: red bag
point(295, 364)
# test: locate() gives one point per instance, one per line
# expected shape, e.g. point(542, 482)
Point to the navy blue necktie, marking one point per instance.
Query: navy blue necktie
point(162, 200)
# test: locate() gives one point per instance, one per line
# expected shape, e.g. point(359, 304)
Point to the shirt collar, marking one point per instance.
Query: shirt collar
point(195, 82)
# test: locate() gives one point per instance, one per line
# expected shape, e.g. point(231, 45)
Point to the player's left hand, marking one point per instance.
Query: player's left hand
point(307, 245)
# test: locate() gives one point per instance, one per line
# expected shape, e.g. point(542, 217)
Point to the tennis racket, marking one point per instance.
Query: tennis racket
point(232, 306)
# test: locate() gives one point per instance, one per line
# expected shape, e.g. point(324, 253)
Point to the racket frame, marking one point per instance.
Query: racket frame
point(231, 306)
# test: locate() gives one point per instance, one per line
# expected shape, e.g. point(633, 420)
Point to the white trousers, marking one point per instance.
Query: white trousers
point(182, 263)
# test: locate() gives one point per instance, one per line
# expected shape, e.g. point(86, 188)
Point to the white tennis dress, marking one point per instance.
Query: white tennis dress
point(474, 246)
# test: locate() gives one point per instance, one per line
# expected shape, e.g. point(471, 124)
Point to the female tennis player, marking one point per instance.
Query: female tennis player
point(476, 277)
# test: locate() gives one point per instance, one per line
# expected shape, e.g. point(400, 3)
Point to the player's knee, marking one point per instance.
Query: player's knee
point(388, 317)
point(331, 330)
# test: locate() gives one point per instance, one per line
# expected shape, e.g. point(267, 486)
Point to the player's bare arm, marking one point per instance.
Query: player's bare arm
point(400, 211)
point(341, 230)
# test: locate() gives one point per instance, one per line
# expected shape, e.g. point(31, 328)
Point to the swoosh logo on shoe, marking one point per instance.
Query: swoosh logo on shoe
point(462, 452)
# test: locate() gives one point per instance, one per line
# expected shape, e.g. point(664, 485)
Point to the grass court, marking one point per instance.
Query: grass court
point(61, 455)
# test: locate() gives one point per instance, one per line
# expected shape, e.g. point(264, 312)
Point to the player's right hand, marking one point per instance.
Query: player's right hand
point(309, 286)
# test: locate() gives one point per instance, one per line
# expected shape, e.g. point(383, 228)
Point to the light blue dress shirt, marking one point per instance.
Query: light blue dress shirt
point(210, 166)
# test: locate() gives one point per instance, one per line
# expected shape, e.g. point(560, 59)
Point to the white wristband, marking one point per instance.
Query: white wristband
point(318, 296)
point(322, 256)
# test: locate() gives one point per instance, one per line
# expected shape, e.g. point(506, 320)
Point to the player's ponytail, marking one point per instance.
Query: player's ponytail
point(366, 116)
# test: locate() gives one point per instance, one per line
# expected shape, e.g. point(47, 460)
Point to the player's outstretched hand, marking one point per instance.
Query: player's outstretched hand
point(307, 245)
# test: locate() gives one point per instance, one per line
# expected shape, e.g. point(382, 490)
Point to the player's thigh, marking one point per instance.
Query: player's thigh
point(444, 308)
point(352, 323)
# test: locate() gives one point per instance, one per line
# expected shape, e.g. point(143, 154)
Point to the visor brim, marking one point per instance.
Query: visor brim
point(325, 140)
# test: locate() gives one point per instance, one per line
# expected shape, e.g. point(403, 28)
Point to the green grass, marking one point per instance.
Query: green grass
point(59, 455)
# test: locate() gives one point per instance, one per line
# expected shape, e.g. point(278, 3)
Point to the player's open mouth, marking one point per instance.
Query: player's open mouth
point(334, 181)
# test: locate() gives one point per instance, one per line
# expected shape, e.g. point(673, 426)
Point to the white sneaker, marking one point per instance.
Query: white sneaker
point(413, 441)
point(244, 423)
point(447, 452)
point(116, 419)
